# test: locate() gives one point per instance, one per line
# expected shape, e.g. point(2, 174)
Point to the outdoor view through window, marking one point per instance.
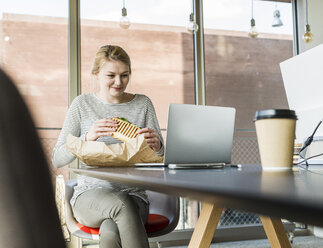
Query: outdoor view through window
point(241, 72)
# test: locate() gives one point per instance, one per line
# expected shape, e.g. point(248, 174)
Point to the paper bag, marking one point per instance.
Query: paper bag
point(94, 153)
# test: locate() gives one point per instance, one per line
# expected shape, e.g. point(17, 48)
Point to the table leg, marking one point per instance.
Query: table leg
point(205, 226)
point(275, 232)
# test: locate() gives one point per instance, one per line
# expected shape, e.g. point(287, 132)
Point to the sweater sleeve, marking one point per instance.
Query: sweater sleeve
point(152, 122)
point(72, 125)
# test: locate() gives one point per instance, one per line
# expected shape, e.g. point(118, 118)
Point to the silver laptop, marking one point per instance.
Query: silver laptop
point(198, 136)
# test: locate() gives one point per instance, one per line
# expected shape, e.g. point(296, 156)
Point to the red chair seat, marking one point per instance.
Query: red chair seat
point(90, 230)
point(155, 222)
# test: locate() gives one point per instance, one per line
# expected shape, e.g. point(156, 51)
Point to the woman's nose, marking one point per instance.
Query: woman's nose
point(117, 80)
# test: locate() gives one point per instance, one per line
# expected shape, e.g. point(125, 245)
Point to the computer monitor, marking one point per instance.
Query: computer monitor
point(303, 81)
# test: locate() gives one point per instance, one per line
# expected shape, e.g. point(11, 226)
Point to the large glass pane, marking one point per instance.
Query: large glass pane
point(244, 73)
point(240, 71)
point(34, 54)
point(160, 48)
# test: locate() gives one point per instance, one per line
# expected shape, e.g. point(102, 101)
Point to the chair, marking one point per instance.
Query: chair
point(163, 215)
point(28, 214)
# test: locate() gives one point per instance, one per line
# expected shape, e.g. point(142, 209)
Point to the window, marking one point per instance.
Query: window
point(157, 42)
point(34, 54)
point(160, 48)
point(244, 73)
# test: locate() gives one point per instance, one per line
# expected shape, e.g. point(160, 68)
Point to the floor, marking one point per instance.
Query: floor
point(299, 242)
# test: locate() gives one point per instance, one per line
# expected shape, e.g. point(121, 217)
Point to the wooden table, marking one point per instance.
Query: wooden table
point(295, 196)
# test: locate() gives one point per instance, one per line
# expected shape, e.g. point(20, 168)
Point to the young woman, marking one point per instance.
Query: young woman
point(120, 211)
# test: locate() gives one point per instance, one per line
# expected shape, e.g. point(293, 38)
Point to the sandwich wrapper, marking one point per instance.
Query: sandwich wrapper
point(94, 153)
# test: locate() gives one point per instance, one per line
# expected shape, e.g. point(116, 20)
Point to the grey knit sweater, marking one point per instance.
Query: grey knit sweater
point(83, 112)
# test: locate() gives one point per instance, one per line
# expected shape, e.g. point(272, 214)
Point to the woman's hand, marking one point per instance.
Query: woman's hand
point(152, 138)
point(102, 127)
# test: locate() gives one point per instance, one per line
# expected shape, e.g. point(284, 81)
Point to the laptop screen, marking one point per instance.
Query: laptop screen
point(199, 134)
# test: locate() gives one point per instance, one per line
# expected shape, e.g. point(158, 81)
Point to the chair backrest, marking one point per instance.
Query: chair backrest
point(165, 205)
point(28, 214)
point(161, 204)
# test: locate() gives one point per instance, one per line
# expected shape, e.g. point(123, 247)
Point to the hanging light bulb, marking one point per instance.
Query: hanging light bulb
point(308, 36)
point(253, 33)
point(192, 27)
point(124, 20)
point(277, 22)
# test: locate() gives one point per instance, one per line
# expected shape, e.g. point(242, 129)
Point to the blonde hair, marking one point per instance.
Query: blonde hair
point(110, 53)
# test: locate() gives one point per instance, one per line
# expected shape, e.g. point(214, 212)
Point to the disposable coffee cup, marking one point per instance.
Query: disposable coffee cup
point(275, 130)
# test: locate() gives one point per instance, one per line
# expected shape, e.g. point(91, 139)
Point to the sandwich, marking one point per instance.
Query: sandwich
point(125, 130)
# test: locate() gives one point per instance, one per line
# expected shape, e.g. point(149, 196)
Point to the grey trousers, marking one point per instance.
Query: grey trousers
point(121, 217)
